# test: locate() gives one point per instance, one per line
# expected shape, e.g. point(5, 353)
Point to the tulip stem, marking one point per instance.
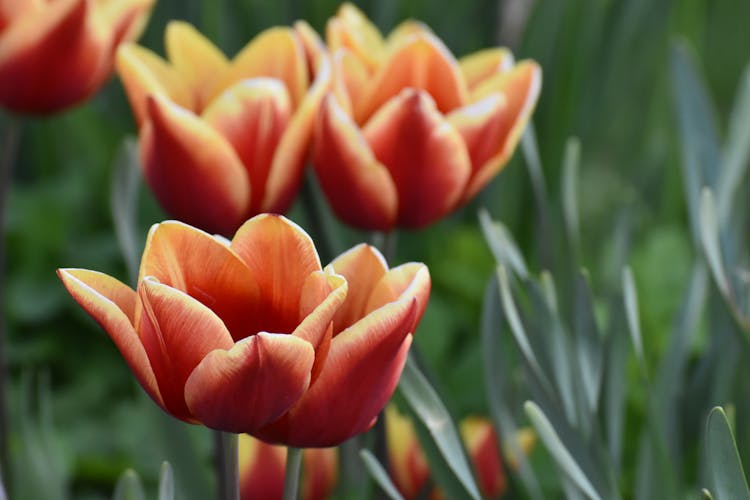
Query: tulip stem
point(227, 462)
point(10, 142)
point(291, 477)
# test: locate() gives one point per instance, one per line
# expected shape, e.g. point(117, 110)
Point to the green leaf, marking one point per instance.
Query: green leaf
point(698, 131)
point(498, 370)
point(633, 317)
point(432, 413)
point(588, 343)
point(709, 232)
point(570, 173)
point(516, 327)
point(559, 452)
point(378, 473)
point(166, 482)
point(737, 148)
point(129, 487)
point(723, 459)
point(124, 204)
point(502, 245)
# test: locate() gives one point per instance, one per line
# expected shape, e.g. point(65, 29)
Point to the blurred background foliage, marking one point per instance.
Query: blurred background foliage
point(77, 414)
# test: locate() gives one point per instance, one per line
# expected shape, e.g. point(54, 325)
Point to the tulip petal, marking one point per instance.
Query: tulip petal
point(320, 472)
point(177, 332)
point(407, 464)
point(350, 29)
point(275, 53)
point(144, 73)
point(406, 29)
point(407, 280)
point(261, 468)
point(52, 59)
point(198, 61)
point(252, 115)
point(125, 20)
point(192, 169)
point(362, 266)
point(322, 295)
point(291, 154)
point(358, 187)
point(483, 127)
point(252, 384)
point(350, 81)
point(280, 256)
point(194, 262)
point(520, 87)
point(112, 305)
point(424, 154)
point(421, 62)
point(482, 447)
point(363, 367)
point(481, 65)
point(315, 49)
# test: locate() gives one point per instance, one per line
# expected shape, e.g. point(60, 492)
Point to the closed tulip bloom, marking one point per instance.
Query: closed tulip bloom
point(54, 54)
point(408, 133)
point(262, 467)
point(372, 332)
point(222, 140)
point(481, 444)
point(230, 335)
point(406, 462)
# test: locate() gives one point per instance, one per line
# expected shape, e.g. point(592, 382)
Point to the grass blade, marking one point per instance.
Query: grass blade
point(723, 460)
point(378, 473)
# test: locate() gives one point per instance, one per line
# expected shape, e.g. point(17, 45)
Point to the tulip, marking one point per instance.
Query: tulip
point(220, 140)
point(408, 133)
point(481, 443)
point(406, 462)
point(262, 467)
point(54, 54)
point(246, 336)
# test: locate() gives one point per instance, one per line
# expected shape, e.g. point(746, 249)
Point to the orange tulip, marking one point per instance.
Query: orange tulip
point(262, 467)
point(238, 335)
point(408, 133)
point(56, 53)
point(372, 332)
point(222, 140)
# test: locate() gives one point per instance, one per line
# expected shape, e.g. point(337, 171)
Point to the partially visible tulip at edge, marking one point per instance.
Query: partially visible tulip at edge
point(409, 468)
point(222, 140)
point(54, 54)
point(262, 467)
point(408, 133)
point(254, 336)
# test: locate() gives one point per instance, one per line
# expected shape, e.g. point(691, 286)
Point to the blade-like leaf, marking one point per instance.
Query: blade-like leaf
point(124, 204)
point(166, 482)
point(378, 473)
point(631, 311)
point(570, 167)
point(723, 460)
point(588, 342)
point(559, 452)
point(129, 487)
point(432, 413)
point(501, 244)
point(709, 232)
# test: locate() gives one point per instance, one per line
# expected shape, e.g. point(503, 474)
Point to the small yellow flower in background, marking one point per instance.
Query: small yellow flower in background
point(409, 133)
point(54, 54)
point(222, 140)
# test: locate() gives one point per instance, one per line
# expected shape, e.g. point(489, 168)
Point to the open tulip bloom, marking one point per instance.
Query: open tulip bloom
point(54, 54)
point(254, 336)
point(408, 133)
point(223, 140)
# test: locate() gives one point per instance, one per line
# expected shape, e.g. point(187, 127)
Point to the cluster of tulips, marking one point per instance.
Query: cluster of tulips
point(254, 335)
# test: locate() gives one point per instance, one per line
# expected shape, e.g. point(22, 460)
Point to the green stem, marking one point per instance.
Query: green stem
point(227, 473)
point(291, 478)
point(10, 142)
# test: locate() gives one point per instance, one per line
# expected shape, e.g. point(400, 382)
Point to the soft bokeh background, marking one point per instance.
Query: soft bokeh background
point(78, 416)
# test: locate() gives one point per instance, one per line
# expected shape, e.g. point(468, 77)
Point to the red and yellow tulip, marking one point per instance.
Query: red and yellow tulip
point(262, 467)
point(254, 336)
point(408, 133)
point(56, 53)
point(409, 469)
point(223, 140)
